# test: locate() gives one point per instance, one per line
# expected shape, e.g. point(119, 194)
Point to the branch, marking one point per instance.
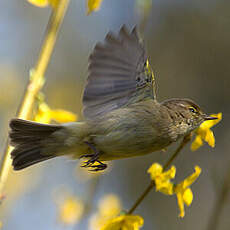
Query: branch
point(152, 183)
point(37, 79)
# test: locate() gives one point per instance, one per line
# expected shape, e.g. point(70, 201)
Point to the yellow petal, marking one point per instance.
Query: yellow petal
point(183, 192)
point(71, 211)
point(43, 118)
point(204, 133)
point(39, 3)
point(180, 203)
point(211, 123)
point(63, 116)
point(93, 5)
point(197, 143)
point(188, 196)
point(191, 179)
point(171, 173)
point(210, 139)
point(43, 114)
point(96, 222)
point(44, 108)
point(154, 170)
point(162, 179)
point(109, 206)
point(44, 3)
point(124, 222)
point(163, 183)
point(165, 187)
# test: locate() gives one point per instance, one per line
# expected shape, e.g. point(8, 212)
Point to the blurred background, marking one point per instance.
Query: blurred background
point(188, 44)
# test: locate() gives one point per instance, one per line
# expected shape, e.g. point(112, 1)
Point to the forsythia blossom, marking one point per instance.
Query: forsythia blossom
point(71, 210)
point(108, 208)
point(164, 184)
point(44, 3)
point(108, 218)
point(93, 5)
point(162, 179)
point(203, 133)
point(45, 115)
point(124, 222)
point(184, 193)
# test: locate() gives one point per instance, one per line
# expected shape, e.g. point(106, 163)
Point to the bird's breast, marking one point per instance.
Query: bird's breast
point(129, 132)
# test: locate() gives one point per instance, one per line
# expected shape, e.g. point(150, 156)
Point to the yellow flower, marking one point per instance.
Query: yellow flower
point(109, 207)
point(71, 210)
point(45, 115)
point(44, 3)
point(162, 179)
point(124, 222)
point(184, 193)
point(0, 224)
point(203, 133)
point(163, 184)
point(93, 5)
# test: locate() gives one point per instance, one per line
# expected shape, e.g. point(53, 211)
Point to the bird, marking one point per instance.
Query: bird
point(122, 116)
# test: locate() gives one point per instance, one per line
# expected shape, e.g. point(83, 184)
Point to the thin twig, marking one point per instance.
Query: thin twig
point(152, 183)
point(36, 82)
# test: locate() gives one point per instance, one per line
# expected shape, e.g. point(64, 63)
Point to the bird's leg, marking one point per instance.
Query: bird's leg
point(94, 157)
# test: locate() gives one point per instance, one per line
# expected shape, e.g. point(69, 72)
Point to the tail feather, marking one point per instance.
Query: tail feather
point(28, 138)
point(18, 138)
point(25, 159)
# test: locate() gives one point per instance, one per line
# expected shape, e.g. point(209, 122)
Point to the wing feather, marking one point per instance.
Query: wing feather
point(117, 74)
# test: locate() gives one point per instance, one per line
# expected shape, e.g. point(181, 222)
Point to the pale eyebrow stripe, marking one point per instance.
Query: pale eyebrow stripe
point(182, 105)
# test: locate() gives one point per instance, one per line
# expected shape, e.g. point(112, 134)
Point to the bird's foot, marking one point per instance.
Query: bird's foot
point(93, 163)
point(94, 158)
point(98, 167)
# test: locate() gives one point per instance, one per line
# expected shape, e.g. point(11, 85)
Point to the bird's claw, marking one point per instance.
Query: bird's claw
point(86, 156)
point(90, 164)
point(99, 167)
point(94, 158)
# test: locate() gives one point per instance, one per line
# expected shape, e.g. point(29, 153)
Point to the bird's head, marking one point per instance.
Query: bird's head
point(187, 113)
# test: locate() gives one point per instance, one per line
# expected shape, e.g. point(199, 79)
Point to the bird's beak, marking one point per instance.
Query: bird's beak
point(206, 118)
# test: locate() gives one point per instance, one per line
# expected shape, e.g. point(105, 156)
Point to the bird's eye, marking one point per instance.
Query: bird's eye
point(193, 110)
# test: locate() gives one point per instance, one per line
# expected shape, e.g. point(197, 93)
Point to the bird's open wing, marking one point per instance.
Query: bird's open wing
point(119, 74)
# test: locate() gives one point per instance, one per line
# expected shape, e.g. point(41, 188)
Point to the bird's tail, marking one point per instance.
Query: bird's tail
point(30, 140)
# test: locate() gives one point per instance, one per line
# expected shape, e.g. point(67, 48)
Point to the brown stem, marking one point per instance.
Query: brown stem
point(152, 183)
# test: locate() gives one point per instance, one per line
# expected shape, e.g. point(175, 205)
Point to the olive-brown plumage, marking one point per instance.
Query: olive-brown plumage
point(122, 116)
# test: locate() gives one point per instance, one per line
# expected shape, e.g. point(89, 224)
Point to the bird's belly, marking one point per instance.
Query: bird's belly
point(119, 145)
point(129, 132)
